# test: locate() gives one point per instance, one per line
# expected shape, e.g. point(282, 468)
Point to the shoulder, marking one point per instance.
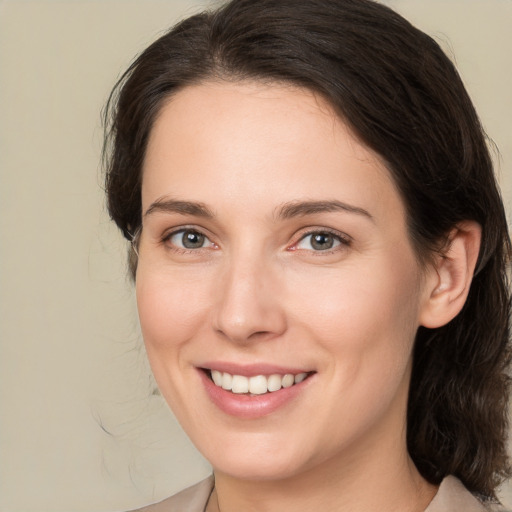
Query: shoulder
point(192, 499)
point(452, 496)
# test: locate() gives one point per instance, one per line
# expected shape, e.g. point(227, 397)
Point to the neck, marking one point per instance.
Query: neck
point(327, 487)
point(375, 473)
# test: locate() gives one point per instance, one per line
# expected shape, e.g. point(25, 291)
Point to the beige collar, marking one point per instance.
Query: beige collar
point(452, 496)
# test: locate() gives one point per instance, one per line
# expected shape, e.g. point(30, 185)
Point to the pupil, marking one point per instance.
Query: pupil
point(322, 241)
point(192, 240)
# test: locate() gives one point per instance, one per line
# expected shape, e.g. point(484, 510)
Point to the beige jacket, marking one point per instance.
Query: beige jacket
point(452, 496)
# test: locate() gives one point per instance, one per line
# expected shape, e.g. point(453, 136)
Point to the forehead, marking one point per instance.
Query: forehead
point(266, 143)
point(280, 113)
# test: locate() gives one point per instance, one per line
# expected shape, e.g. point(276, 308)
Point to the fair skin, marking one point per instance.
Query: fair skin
point(274, 242)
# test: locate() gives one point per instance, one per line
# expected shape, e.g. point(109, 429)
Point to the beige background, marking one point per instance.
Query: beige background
point(80, 429)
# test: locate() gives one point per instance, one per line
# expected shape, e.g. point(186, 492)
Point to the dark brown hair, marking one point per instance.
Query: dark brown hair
point(403, 98)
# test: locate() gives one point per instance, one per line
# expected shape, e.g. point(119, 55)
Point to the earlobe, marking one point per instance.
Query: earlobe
point(449, 280)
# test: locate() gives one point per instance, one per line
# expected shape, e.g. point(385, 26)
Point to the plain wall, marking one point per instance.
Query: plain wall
point(81, 428)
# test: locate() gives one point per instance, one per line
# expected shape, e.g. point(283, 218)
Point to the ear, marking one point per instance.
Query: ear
point(448, 281)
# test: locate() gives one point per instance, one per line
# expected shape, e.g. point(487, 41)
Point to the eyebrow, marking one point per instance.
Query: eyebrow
point(285, 211)
point(303, 208)
point(182, 207)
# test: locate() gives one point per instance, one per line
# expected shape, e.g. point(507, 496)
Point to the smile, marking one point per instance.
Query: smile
point(257, 384)
point(255, 390)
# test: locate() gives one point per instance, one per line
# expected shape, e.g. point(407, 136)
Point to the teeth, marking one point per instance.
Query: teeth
point(300, 377)
point(274, 382)
point(256, 385)
point(288, 380)
point(240, 384)
point(217, 377)
point(227, 381)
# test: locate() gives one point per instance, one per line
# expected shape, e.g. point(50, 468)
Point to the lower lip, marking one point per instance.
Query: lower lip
point(250, 407)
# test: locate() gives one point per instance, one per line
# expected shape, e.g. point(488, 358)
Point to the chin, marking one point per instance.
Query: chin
point(253, 458)
point(271, 470)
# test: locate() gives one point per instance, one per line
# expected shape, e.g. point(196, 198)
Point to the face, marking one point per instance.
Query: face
point(278, 292)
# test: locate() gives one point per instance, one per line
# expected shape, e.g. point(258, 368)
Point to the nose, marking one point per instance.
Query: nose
point(249, 303)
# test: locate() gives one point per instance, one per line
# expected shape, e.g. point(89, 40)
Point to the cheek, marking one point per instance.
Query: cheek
point(365, 314)
point(364, 322)
point(171, 309)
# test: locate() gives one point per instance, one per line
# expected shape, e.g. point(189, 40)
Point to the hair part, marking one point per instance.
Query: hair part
point(403, 98)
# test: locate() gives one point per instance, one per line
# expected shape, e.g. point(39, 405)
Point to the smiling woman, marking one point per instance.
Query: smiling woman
point(319, 254)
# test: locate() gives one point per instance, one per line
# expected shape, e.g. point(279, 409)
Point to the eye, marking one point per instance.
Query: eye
point(320, 241)
point(188, 239)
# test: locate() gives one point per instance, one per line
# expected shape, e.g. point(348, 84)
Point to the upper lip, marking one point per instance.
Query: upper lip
point(249, 370)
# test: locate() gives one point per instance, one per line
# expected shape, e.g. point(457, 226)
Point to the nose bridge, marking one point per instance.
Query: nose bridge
point(249, 304)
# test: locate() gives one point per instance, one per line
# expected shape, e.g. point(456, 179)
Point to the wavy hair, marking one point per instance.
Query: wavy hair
point(404, 99)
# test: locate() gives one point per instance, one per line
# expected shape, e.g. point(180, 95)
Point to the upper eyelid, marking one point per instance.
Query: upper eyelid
point(314, 230)
point(295, 238)
point(166, 237)
point(345, 241)
point(177, 229)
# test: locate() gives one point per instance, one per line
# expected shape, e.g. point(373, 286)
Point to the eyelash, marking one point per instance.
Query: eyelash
point(343, 240)
point(166, 239)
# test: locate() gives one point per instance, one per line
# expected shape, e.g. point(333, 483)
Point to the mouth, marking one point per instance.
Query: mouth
point(255, 385)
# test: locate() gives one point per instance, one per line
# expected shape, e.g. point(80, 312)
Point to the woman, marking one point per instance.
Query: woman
point(319, 250)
